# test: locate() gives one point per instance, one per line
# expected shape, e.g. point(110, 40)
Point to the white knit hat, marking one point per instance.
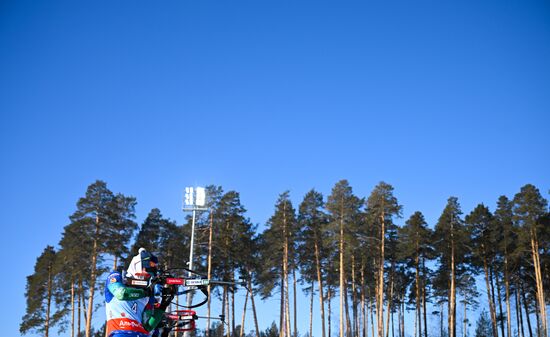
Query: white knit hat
point(135, 265)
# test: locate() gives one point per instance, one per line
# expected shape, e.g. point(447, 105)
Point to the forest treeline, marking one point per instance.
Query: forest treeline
point(347, 253)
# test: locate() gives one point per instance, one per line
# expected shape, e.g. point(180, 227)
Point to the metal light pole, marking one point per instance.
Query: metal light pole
point(194, 200)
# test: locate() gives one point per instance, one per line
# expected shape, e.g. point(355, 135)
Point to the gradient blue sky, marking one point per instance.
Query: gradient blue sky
point(436, 98)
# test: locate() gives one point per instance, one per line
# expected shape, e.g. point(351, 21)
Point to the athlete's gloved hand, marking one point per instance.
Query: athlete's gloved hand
point(167, 297)
point(154, 289)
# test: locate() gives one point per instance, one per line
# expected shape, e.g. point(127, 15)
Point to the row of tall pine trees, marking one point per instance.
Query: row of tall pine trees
point(368, 276)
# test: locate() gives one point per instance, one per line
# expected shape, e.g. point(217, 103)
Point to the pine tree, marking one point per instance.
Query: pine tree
point(233, 240)
point(39, 316)
point(394, 280)
point(249, 271)
point(505, 238)
point(173, 244)
point(483, 326)
point(480, 222)
point(271, 331)
point(451, 239)
point(75, 265)
point(402, 280)
point(382, 207)
point(312, 222)
point(368, 251)
point(344, 214)
point(467, 289)
point(107, 222)
point(213, 196)
point(415, 248)
point(278, 246)
point(121, 227)
point(530, 208)
point(148, 235)
point(544, 245)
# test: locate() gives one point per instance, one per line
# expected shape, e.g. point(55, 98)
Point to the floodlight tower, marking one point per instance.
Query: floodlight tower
point(194, 200)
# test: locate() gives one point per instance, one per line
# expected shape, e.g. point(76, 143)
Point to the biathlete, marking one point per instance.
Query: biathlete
point(132, 312)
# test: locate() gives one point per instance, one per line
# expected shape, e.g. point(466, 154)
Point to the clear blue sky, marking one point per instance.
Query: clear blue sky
point(436, 98)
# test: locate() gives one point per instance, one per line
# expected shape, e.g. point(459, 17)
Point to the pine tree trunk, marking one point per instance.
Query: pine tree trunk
point(448, 308)
point(507, 290)
point(465, 321)
point(224, 310)
point(287, 309)
point(380, 288)
point(310, 310)
point(403, 316)
point(538, 279)
point(286, 314)
point(72, 308)
point(519, 315)
point(537, 317)
point(93, 277)
point(452, 299)
point(424, 314)
point(416, 322)
point(425, 311)
point(287, 305)
point(282, 322)
point(329, 300)
point(489, 297)
point(342, 278)
point(209, 272)
point(421, 312)
point(80, 300)
point(377, 302)
point(320, 282)
point(392, 326)
point(354, 298)
point(492, 281)
point(254, 308)
point(294, 299)
point(229, 331)
point(390, 303)
point(84, 307)
point(499, 298)
point(346, 307)
point(244, 314)
point(368, 308)
point(417, 293)
point(49, 302)
point(363, 319)
point(233, 311)
point(526, 305)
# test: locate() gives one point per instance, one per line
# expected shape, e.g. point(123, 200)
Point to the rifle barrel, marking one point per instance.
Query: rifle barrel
point(229, 283)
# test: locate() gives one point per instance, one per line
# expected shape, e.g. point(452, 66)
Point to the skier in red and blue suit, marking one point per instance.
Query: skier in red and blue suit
point(131, 312)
